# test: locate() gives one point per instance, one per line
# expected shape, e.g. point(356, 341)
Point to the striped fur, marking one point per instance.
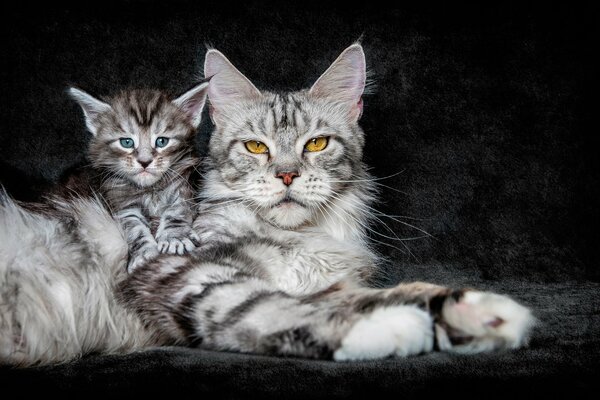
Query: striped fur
point(149, 188)
point(280, 267)
point(59, 266)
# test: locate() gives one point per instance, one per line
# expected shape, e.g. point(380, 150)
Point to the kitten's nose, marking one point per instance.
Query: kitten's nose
point(287, 177)
point(144, 163)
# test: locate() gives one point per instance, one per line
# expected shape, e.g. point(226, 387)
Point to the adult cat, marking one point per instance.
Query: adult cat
point(282, 256)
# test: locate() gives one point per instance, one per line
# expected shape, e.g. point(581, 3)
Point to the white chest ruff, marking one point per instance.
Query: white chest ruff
point(314, 266)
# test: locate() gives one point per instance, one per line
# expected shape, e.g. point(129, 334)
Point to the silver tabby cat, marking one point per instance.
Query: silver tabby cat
point(142, 146)
point(282, 254)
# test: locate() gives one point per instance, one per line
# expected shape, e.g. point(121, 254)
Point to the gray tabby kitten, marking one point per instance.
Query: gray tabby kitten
point(143, 146)
point(282, 256)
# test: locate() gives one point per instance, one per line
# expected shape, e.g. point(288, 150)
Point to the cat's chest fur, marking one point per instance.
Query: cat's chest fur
point(314, 261)
point(152, 201)
point(298, 261)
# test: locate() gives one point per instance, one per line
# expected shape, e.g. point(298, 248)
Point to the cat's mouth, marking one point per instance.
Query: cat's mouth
point(145, 172)
point(145, 177)
point(288, 213)
point(289, 201)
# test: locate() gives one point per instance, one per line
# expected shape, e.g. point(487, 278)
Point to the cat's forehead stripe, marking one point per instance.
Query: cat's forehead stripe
point(143, 106)
point(285, 111)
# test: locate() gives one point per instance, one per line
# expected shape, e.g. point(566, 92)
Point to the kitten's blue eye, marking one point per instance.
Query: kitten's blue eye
point(126, 143)
point(162, 141)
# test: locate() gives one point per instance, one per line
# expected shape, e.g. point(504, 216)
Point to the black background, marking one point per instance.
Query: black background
point(483, 113)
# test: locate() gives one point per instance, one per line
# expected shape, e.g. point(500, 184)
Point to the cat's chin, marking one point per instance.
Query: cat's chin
point(145, 179)
point(288, 215)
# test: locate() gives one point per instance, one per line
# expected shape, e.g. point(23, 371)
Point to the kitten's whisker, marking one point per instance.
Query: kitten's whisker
point(211, 204)
point(177, 174)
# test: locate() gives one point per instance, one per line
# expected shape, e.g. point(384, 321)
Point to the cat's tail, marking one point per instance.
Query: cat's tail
point(58, 266)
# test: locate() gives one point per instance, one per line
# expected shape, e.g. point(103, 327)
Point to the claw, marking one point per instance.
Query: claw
point(180, 244)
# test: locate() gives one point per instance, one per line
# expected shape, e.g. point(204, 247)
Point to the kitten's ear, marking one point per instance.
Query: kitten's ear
point(227, 84)
point(92, 108)
point(344, 81)
point(192, 103)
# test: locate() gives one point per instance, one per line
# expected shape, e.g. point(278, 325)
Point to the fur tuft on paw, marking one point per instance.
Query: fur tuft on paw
point(473, 321)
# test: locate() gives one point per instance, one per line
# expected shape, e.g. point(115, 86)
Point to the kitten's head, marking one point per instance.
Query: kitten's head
point(288, 155)
point(141, 135)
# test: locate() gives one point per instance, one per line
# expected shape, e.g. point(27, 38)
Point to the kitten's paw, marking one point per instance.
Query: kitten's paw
point(141, 258)
point(398, 330)
point(472, 322)
point(178, 244)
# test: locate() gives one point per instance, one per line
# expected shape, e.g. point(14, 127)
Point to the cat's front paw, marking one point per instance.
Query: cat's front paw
point(473, 322)
point(141, 257)
point(177, 242)
point(390, 331)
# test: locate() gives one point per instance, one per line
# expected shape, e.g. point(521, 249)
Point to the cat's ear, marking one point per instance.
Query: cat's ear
point(344, 81)
point(192, 103)
point(92, 108)
point(227, 84)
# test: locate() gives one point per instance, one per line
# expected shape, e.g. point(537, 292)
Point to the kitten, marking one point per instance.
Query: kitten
point(143, 148)
point(282, 257)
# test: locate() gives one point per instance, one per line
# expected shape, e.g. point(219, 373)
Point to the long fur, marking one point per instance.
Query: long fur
point(58, 270)
point(149, 186)
point(281, 262)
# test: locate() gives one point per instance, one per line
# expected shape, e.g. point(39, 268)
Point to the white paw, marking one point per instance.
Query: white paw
point(486, 321)
point(141, 258)
point(178, 245)
point(399, 330)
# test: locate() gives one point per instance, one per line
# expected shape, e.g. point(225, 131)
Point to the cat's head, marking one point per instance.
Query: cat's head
point(288, 155)
point(141, 135)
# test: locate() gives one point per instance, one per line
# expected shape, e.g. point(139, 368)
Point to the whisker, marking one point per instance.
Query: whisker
point(329, 206)
point(395, 237)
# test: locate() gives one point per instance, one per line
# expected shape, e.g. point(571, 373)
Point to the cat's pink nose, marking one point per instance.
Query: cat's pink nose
point(287, 177)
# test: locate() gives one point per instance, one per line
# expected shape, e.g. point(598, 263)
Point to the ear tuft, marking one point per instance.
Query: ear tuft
point(227, 84)
point(192, 103)
point(344, 81)
point(91, 106)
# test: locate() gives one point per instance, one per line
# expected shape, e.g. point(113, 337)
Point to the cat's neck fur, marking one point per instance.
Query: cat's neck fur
point(345, 220)
point(330, 248)
point(121, 192)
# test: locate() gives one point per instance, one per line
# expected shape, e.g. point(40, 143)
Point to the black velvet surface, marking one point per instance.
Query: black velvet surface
point(479, 117)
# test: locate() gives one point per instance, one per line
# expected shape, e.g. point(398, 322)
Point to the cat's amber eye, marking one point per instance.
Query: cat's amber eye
point(316, 144)
point(256, 147)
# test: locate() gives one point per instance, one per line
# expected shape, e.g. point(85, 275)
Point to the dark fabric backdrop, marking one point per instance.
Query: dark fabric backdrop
point(481, 114)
